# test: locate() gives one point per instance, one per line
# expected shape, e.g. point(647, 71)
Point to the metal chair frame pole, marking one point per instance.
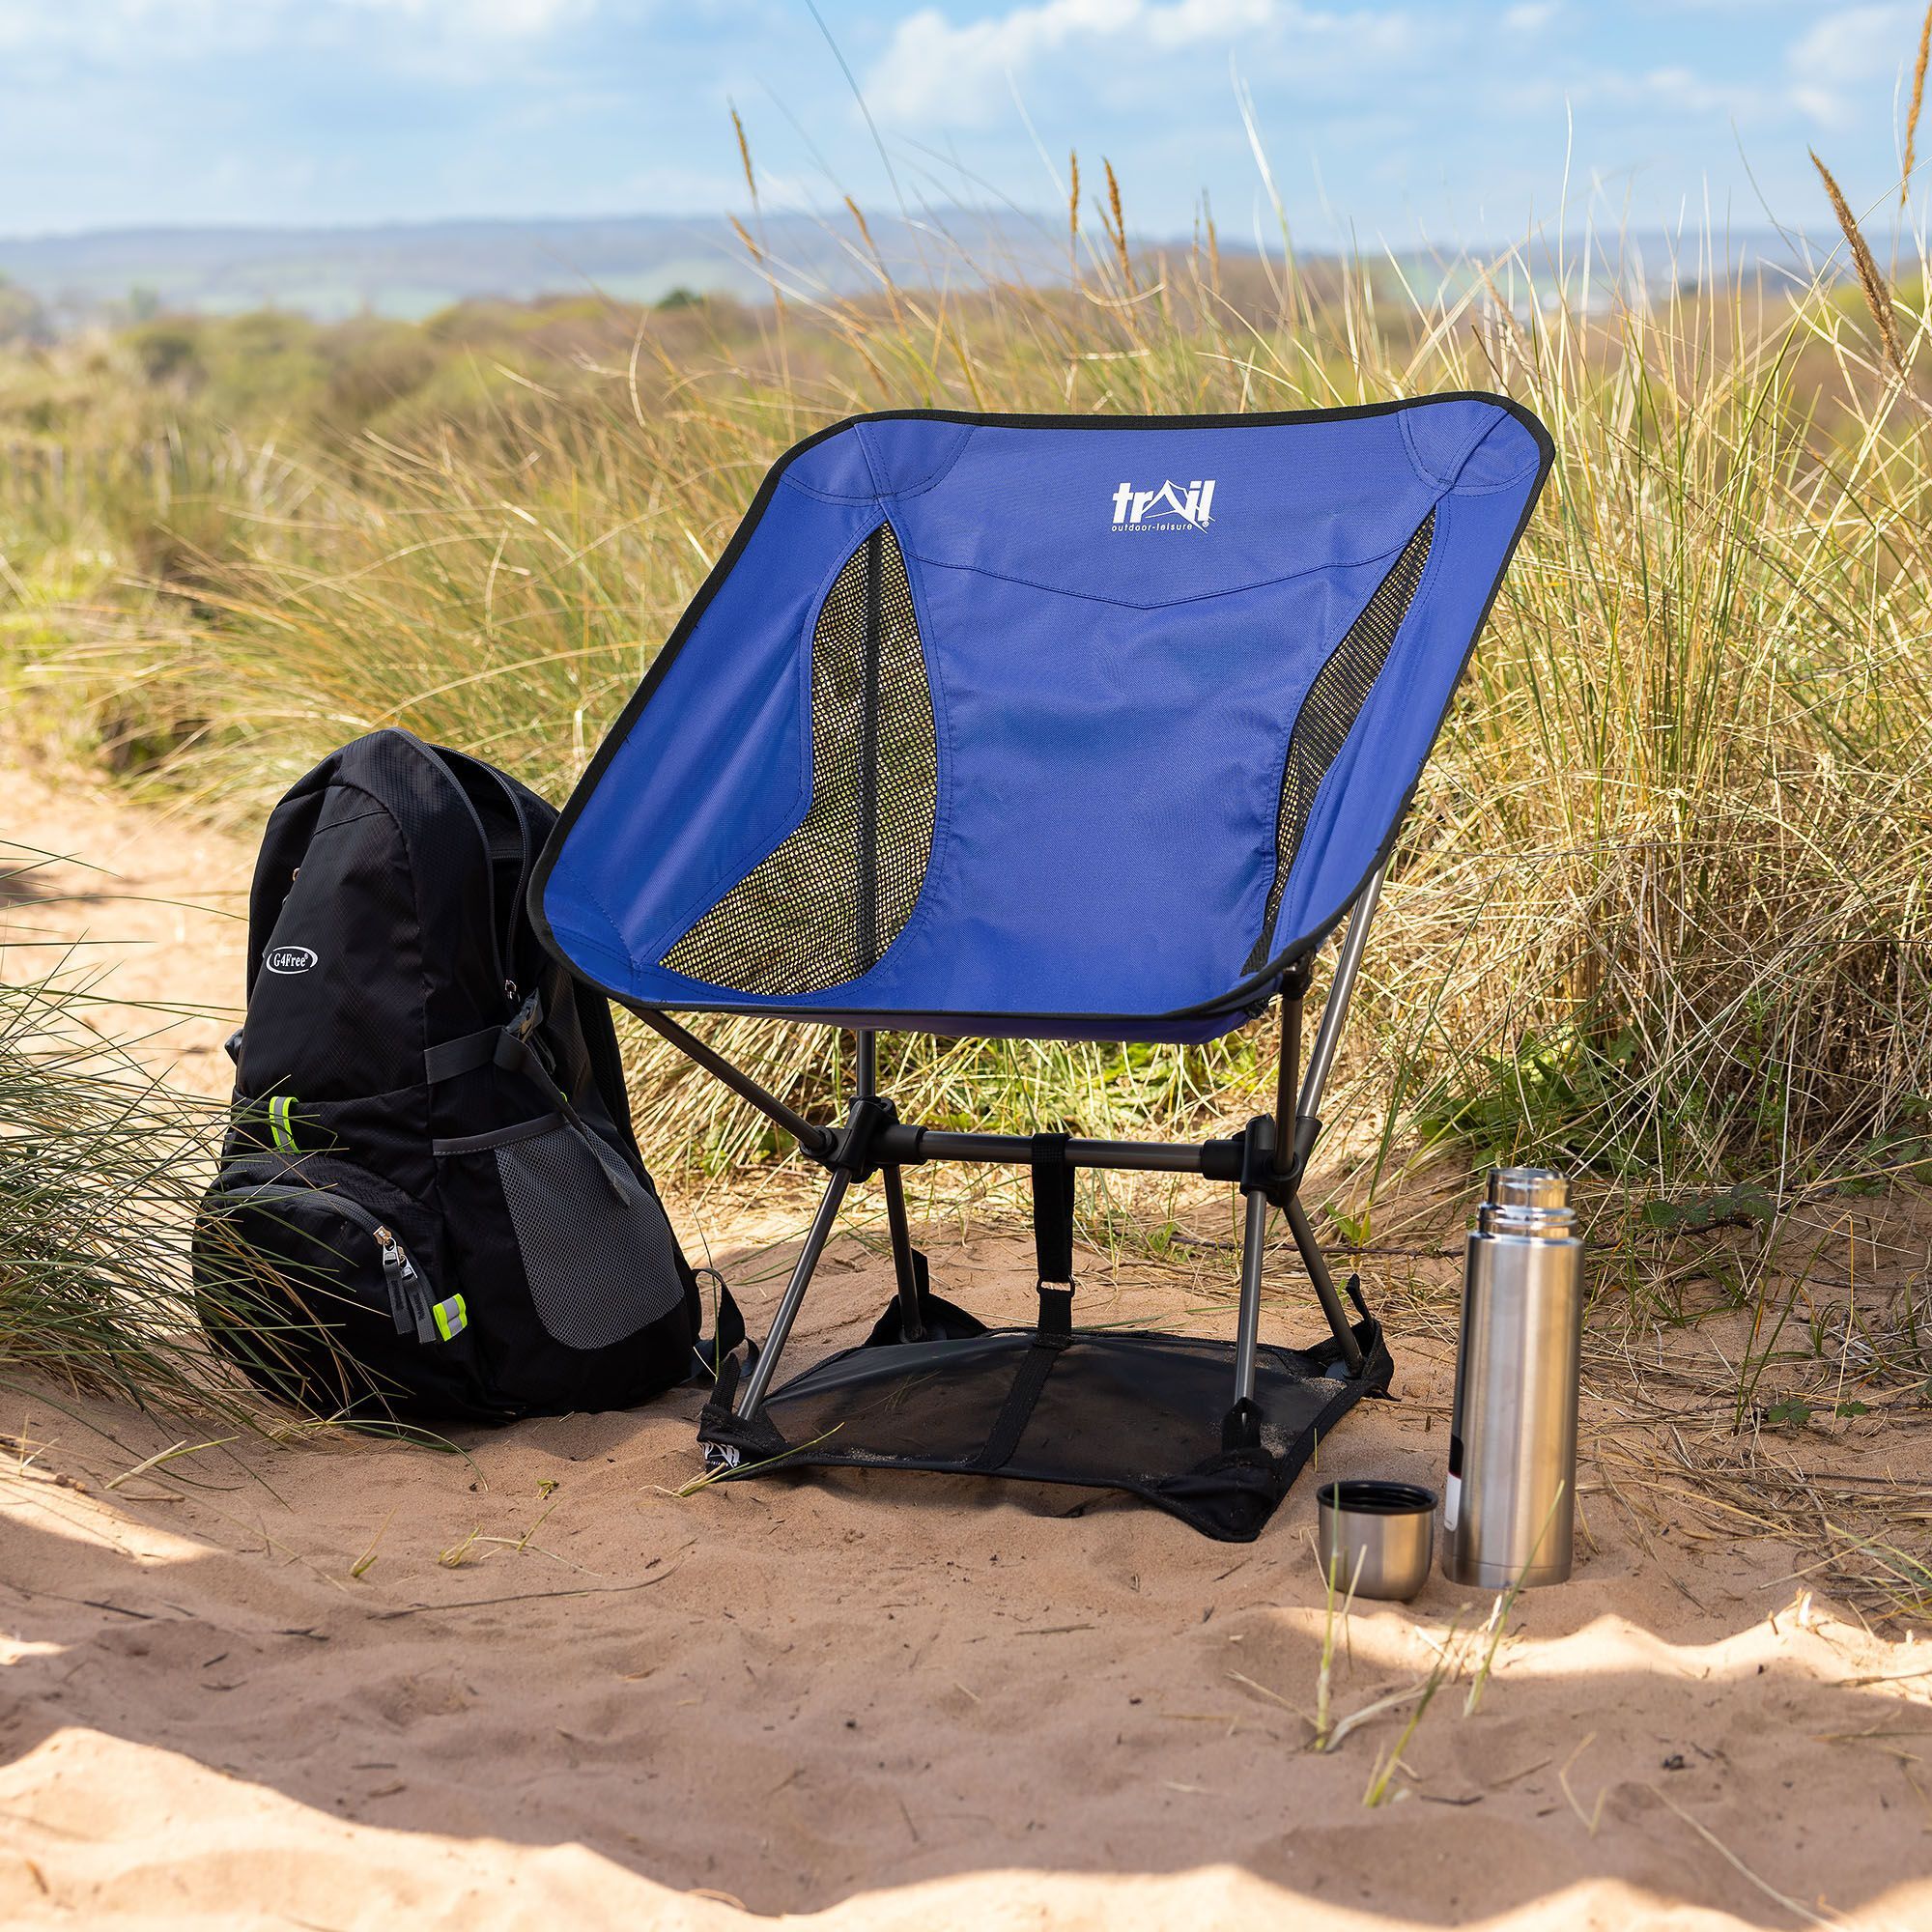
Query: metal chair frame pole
point(905, 1271)
point(912, 1143)
point(817, 1236)
point(1334, 1015)
point(1291, 1158)
point(1248, 1322)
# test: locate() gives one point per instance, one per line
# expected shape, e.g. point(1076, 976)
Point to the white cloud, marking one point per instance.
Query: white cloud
point(1855, 43)
point(1844, 49)
point(934, 71)
point(1822, 104)
point(1673, 90)
point(510, 19)
point(1531, 18)
point(114, 30)
point(1679, 88)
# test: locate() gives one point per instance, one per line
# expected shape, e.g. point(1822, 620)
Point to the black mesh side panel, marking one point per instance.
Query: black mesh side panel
point(1328, 714)
point(599, 1268)
point(823, 906)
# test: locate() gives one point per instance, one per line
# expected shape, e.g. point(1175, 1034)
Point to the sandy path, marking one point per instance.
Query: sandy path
point(147, 911)
point(557, 1688)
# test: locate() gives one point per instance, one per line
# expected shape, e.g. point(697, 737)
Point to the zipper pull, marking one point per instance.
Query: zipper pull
point(398, 1271)
point(409, 1295)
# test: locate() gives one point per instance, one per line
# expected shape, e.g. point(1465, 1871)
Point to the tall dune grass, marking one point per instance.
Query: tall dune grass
point(99, 1167)
point(1661, 907)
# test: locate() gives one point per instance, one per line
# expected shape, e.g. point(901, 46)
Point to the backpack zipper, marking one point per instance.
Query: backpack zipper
point(407, 1293)
point(411, 1306)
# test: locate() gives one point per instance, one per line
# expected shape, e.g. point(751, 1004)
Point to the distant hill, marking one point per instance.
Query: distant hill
point(410, 269)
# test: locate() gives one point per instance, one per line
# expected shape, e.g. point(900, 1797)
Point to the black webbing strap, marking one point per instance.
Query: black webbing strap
point(1010, 1425)
point(520, 1049)
point(1053, 1233)
point(461, 1055)
point(1053, 1250)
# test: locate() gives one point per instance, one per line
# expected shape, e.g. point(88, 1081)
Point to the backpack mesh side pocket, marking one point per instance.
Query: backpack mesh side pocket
point(596, 1249)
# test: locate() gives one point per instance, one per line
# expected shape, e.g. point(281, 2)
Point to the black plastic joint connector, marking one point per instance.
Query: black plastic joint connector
point(1221, 1160)
point(855, 1149)
point(1259, 1174)
point(1297, 980)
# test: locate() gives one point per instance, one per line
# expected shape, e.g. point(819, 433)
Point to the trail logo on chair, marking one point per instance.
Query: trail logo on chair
point(430, 1202)
point(1170, 506)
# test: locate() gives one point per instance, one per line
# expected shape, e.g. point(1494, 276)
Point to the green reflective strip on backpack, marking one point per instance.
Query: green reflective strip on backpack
point(279, 1125)
point(452, 1318)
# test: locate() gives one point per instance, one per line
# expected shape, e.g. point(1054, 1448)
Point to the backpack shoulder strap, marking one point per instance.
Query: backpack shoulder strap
point(532, 819)
point(515, 824)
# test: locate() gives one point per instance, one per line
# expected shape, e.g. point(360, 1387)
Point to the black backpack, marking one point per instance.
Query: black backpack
point(430, 1201)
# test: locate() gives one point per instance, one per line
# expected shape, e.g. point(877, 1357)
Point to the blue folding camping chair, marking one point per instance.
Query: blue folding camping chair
point(1047, 728)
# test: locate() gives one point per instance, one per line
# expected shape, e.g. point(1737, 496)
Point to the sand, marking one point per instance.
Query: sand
point(361, 1684)
point(143, 911)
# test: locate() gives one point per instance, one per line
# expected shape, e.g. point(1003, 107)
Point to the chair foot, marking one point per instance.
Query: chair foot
point(939, 1319)
point(1241, 1427)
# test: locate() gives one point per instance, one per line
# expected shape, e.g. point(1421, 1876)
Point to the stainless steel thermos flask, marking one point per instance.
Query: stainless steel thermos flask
point(1509, 1502)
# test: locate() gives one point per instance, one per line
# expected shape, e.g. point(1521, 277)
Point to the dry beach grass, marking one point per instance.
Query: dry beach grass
point(1661, 907)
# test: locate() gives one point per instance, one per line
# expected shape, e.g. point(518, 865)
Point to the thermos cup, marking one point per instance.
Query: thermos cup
point(1375, 1538)
point(1510, 1504)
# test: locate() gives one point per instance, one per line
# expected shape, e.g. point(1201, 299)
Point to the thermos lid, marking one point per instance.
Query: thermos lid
point(1527, 1187)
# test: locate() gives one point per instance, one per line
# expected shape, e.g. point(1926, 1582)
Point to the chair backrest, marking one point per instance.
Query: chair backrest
point(1050, 726)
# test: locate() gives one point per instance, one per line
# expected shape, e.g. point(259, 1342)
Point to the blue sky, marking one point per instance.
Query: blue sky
point(1451, 122)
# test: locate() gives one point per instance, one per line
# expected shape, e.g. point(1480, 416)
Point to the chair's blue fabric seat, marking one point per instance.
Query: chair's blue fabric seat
point(1041, 726)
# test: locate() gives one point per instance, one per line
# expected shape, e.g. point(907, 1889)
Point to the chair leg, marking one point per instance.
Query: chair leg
point(1248, 1322)
point(912, 1323)
point(1317, 1264)
point(817, 1236)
